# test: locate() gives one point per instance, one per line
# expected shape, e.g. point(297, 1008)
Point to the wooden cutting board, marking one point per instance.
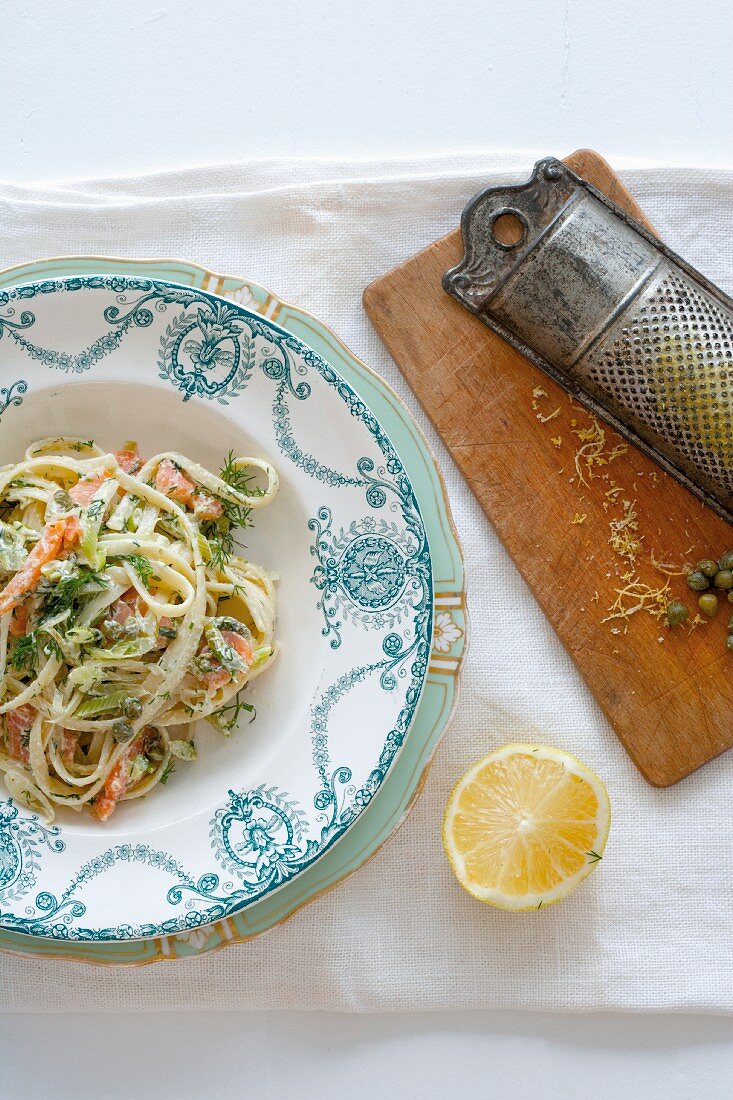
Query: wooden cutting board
point(513, 432)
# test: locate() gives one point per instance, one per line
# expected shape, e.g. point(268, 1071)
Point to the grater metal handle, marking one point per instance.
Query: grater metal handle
point(489, 260)
point(632, 331)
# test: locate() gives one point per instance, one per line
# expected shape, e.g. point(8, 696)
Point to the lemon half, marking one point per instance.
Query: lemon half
point(525, 825)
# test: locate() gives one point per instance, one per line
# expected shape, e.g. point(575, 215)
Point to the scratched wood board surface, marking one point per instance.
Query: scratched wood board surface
point(668, 693)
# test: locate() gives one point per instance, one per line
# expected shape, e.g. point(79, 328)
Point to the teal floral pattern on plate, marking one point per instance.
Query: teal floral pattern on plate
point(12, 394)
point(367, 573)
point(22, 841)
point(364, 574)
point(377, 606)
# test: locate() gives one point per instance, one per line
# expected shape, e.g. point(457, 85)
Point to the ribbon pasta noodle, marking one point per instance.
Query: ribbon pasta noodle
point(126, 615)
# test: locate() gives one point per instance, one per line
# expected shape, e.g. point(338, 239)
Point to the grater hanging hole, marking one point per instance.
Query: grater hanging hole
point(509, 228)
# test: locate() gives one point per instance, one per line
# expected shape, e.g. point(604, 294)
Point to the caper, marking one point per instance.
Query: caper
point(63, 499)
point(226, 622)
point(112, 630)
point(156, 749)
point(132, 707)
point(708, 604)
point(729, 641)
point(168, 632)
point(726, 562)
point(677, 612)
point(723, 579)
point(708, 567)
point(697, 581)
point(131, 629)
point(122, 731)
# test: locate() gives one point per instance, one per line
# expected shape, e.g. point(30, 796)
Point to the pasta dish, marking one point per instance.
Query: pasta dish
point(126, 614)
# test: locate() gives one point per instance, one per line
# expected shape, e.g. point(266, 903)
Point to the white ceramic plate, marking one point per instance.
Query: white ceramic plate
point(113, 358)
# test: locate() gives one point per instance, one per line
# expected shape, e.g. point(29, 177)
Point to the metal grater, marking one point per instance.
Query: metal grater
point(622, 323)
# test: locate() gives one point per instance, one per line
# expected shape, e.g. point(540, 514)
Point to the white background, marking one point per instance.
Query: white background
point(94, 88)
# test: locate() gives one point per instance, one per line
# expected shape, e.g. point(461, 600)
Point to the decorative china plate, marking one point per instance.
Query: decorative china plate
point(245, 835)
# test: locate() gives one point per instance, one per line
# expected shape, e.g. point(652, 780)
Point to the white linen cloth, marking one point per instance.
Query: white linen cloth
point(652, 929)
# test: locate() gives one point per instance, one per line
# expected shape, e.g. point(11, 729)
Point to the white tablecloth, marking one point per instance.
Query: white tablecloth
point(653, 928)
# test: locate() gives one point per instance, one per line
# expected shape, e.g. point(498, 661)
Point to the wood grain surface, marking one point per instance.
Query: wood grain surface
point(513, 432)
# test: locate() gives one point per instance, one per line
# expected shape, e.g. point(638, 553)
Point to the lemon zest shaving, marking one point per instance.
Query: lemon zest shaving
point(593, 452)
point(636, 596)
point(666, 568)
point(625, 538)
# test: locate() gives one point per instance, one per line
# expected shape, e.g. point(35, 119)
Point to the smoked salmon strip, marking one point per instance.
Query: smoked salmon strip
point(130, 461)
point(19, 724)
point(170, 481)
point(19, 621)
point(205, 506)
point(84, 490)
point(220, 677)
point(69, 740)
point(57, 535)
point(119, 778)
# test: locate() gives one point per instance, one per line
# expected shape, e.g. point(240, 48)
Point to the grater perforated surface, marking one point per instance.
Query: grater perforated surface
point(666, 367)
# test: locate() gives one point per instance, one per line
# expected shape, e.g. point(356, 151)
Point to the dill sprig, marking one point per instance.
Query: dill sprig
point(242, 482)
point(26, 651)
point(24, 657)
point(170, 767)
point(219, 533)
point(68, 592)
point(142, 567)
point(226, 718)
point(52, 648)
point(96, 508)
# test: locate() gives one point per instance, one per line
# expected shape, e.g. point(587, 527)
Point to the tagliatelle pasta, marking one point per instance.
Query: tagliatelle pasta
point(125, 616)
